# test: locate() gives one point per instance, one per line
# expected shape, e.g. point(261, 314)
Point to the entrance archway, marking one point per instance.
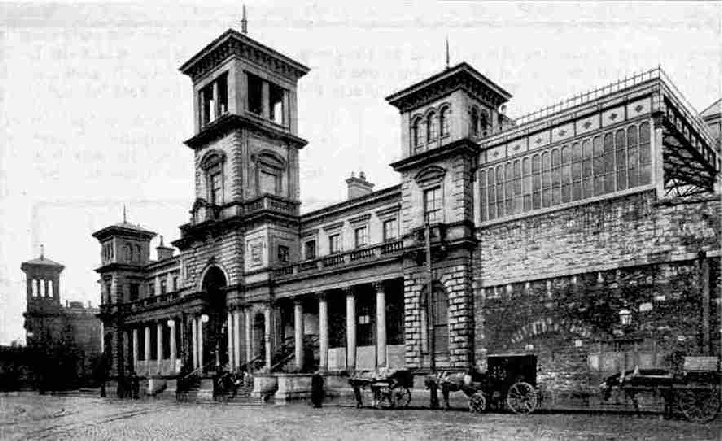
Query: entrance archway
point(215, 332)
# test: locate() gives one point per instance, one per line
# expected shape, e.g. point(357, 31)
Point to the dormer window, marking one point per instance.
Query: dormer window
point(214, 99)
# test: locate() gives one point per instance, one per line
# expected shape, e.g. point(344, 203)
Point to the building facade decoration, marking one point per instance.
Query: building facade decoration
point(532, 234)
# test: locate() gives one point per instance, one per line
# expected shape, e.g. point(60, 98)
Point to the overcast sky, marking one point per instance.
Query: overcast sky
point(94, 109)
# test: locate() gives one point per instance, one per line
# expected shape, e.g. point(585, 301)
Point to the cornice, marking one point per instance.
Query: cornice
point(230, 121)
point(461, 147)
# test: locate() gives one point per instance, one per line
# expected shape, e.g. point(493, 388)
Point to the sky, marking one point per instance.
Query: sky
point(94, 111)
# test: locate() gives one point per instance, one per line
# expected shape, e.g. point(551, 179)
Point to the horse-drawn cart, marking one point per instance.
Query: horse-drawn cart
point(694, 392)
point(389, 388)
point(509, 383)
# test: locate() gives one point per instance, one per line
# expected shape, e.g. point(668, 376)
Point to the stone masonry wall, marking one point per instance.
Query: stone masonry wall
point(225, 250)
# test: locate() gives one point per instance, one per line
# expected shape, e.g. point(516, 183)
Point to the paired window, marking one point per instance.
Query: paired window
point(361, 236)
point(432, 205)
point(390, 229)
point(427, 129)
point(334, 243)
point(214, 99)
point(612, 161)
point(431, 127)
point(479, 122)
point(309, 249)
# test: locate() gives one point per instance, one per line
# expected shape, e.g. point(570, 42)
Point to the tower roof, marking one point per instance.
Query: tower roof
point(124, 229)
point(41, 261)
point(232, 43)
point(460, 76)
point(714, 109)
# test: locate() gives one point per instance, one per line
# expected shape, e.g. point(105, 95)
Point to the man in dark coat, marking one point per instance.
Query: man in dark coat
point(317, 389)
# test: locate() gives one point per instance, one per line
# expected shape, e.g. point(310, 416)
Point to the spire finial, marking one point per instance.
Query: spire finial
point(448, 58)
point(42, 252)
point(125, 217)
point(244, 22)
point(161, 240)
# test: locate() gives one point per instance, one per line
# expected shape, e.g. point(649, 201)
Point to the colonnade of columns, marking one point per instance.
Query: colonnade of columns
point(350, 328)
point(158, 329)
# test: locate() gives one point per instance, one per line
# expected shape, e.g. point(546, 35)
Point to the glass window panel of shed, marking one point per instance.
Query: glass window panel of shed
point(594, 166)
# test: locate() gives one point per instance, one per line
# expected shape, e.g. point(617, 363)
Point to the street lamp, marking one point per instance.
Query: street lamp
point(170, 323)
point(205, 318)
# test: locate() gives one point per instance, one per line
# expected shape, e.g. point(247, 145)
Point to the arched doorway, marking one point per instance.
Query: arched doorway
point(215, 332)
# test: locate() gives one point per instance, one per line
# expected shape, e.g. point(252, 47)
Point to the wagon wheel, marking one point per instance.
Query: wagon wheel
point(477, 403)
point(521, 398)
point(402, 396)
point(699, 406)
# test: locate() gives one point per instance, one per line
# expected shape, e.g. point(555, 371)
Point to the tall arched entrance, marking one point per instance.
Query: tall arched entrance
point(215, 332)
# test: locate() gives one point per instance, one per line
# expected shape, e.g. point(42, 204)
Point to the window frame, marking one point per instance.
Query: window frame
point(438, 204)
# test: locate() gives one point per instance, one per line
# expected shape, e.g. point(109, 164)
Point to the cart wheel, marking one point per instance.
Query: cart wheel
point(477, 403)
point(402, 396)
point(699, 406)
point(521, 398)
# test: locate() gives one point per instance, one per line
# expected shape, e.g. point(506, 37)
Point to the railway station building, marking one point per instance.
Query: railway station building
point(587, 233)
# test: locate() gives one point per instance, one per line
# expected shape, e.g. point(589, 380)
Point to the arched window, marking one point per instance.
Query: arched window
point(431, 127)
point(212, 165)
point(418, 133)
point(444, 121)
point(127, 254)
point(138, 253)
point(474, 121)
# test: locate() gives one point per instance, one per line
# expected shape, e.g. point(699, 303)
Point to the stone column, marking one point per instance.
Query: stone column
point(159, 346)
point(267, 335)
point(200, 342)
point(237, 338)
point(194, 341)
point(231, 343)
point(135, 349)
point(147, 348)
point(102, 338)
point(350, 329)
point(172, 346)
point(323, 331)
point(380, 324)
point(248, 337)
point(298, 331)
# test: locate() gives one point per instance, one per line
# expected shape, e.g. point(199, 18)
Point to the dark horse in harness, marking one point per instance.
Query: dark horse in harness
point(469, 382)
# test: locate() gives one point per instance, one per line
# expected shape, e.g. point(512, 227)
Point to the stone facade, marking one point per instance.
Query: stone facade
point(587, 235)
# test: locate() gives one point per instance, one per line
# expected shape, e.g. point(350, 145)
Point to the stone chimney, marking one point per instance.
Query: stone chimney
point(358, 187)
point(164, 252)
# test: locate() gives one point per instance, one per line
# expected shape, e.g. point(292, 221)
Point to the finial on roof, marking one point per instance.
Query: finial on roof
point(353, 175)
point(362, 175)
point(125, 217)
point(244, 22)
point(42, 252)
point(448, 57)
point(161, 240)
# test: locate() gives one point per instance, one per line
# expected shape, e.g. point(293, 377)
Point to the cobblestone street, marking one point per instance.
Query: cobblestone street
point(84, 417)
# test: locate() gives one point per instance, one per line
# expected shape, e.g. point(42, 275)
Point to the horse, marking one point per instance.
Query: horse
point(468, 382)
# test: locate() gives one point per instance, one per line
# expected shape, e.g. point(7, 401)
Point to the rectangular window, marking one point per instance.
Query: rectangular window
point(491, 183)
point(500, 191)
point(282, 254)
point(556, 177)
point(390, 230)
point(621, 148)
point(516, 184)
point(645, 155)
point(576, 171)
point(598, 166)
point(213, 99)
point(566, 174)
point(276, 97)
point(482, 194)
point(269, 181)
point(509, 188)
point(134, 291)
point(151, 289)
point(216, 186)
point(141, 344)
point(366, 323)
point(334, 243)
point(432, 205)
point(546, 180)
point(163, 286)
point(255, 94)
point(175, 283)
point(609, 171)
point(154, 342)
point(527, 184)
point(632, 157)
point(360, 237)
point(309, 249)
point(536, 181)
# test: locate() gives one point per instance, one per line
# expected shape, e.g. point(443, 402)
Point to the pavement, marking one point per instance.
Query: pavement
point(84, 417)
